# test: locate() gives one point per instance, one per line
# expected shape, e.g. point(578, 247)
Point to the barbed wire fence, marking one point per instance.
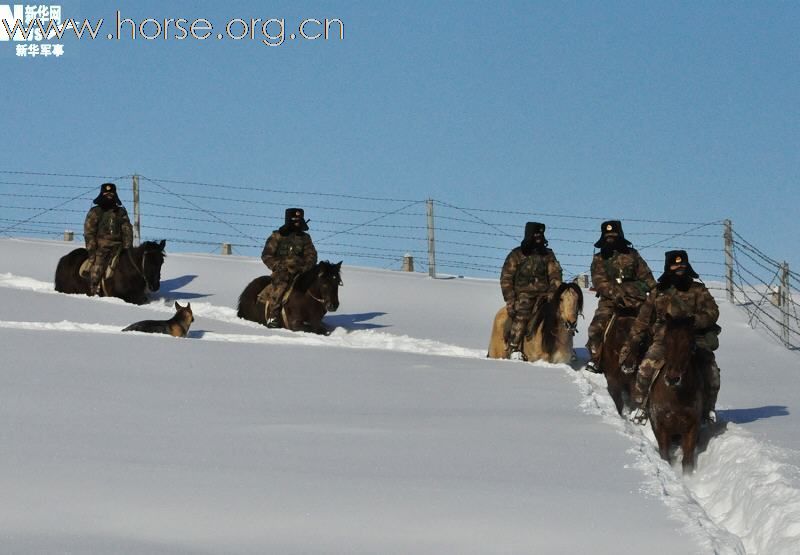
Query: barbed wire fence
point(428, 235)
point(764, 288)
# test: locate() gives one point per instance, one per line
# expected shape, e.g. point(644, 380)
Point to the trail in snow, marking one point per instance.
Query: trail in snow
point(726, 503)
point(366, 339)
point(741, 498)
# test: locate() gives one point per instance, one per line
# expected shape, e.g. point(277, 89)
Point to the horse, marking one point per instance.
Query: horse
point(554, 327)
point(313, 293)
point(138, 271)
point(676, 394)
point(619, 382)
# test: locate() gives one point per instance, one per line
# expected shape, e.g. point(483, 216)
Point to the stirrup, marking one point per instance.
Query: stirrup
point(640, 416)
point(628, 369)
point(593, 367)
point(517, 355)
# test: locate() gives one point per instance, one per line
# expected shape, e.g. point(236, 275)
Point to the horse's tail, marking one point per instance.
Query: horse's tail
point(67, 278)
point(247, 307)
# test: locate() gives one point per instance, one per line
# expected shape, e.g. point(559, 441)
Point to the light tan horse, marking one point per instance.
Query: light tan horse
point(554, 327)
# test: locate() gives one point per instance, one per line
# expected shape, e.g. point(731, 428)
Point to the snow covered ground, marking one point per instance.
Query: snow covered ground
point(393, 435)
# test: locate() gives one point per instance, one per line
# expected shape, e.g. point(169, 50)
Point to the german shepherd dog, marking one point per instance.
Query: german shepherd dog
point(177, 326)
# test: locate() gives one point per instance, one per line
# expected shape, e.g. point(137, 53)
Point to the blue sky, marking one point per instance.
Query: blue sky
point(634, 110)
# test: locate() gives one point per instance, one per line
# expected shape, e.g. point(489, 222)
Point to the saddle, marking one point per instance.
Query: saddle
point(530, 327)
point(85, 270)
point(263, 296)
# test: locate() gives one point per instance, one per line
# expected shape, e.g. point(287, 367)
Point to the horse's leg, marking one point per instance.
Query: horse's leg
point(292, 316)
point(532, 346)
point(664, 439)
point(563, 351)
point(615, 390)
point(688, 445)
point(316, 326)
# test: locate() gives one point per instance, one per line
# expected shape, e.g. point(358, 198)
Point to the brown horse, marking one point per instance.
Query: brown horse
point(676, 395)
point(138, 271)
point(619, 382)
point(314, 293)
point(553, 327)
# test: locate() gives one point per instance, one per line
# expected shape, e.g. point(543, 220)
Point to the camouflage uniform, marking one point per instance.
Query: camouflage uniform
point(287, 254)
point(667, 300)
point(106, 230)
point(526, 281)
point(621, 279)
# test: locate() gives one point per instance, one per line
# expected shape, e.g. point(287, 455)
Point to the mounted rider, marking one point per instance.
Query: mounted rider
point(288, 252)
point(107, 230)
point(677, 296)
point(530, 276)
point(621, 278)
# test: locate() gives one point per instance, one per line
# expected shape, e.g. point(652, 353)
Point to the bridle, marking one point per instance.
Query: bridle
point(322, 301)
point(571, 327)
point(141, 271)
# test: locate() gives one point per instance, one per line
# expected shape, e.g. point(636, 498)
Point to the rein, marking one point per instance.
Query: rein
point(320, 301)
point(145, 252)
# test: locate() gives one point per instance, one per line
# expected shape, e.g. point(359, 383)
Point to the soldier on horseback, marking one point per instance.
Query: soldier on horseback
point(530, 276)
point(288, 252)
point(621, 278)
point(677, 296)
point(107, 230)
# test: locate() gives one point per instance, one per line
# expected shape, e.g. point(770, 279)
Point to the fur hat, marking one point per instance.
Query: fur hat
point(677, 258)
point(532, 228)
point(528, 245)
point(293, 215)
point(611, 226)
point(107, 188)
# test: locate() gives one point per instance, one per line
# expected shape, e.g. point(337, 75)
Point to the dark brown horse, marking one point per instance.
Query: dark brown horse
point(620, 382)
point(138, 271)
point(676, 396)
point(314, 293)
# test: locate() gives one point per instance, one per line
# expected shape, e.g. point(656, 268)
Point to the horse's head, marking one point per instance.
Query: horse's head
point(152, 253)
point(329, 277)
point(679, 348)
point(570, 305)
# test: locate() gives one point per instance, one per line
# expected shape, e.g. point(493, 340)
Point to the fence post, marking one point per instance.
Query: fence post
point(226, 248)
point(431, 242)
point(408, 262)
point(69, 235)
point(137, 230)
point(786, 299)
point(728, 235)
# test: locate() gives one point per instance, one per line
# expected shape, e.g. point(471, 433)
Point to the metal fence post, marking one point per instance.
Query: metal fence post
point(728, 236)
point(137, 230)
point(785, 301)
point(431, 242)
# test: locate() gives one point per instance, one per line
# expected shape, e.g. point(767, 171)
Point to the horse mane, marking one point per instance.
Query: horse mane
point(679, 341)
point(309, 277)
point(135, 255)
point(547, 316)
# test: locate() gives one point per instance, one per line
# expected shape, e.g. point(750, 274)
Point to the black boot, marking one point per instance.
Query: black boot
point(593, 367)
point(274, 318)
